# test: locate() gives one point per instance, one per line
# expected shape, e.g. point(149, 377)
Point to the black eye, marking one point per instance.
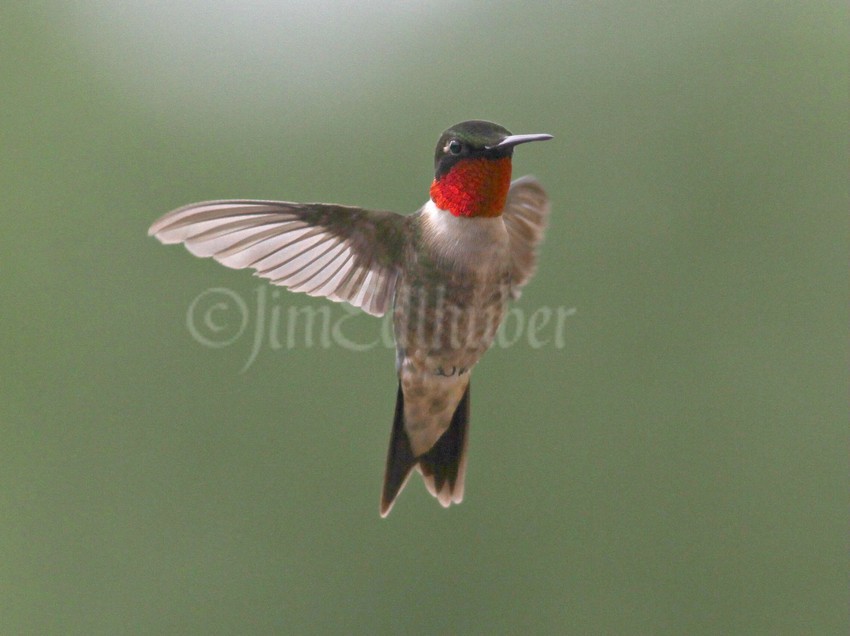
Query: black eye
point(455, 147)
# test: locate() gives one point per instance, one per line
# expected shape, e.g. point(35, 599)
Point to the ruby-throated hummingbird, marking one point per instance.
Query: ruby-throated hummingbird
point(446, 272)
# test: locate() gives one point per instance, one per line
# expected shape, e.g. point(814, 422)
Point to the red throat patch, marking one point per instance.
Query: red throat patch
point(474, 187)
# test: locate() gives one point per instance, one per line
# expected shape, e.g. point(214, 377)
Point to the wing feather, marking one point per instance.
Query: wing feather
point(343, 253)
point(526, 216)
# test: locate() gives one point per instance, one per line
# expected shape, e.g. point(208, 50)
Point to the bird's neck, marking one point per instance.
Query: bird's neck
point(475, 187)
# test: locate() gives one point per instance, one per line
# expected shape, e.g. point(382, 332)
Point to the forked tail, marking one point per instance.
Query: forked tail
point(442, 466)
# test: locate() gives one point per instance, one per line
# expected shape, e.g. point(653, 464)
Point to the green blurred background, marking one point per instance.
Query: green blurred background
point(679, 466)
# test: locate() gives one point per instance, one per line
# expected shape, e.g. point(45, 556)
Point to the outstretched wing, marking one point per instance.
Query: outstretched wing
point(339, 252)
point(526, 215)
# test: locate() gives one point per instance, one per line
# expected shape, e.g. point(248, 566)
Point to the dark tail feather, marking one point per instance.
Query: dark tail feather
point(400, 459)
point(442, 467)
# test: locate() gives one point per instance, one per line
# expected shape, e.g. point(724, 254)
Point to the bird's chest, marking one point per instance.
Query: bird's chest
point(451, 298)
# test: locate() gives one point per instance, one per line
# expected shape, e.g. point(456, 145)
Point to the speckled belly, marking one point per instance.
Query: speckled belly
point(442, 330)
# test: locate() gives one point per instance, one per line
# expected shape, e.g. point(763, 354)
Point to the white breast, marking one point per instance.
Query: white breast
point(466, 241)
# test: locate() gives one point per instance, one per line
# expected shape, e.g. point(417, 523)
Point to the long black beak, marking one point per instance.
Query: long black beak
point(514, 140)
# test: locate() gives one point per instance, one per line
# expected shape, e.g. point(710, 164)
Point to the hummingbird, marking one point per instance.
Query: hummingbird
point(446, 272)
